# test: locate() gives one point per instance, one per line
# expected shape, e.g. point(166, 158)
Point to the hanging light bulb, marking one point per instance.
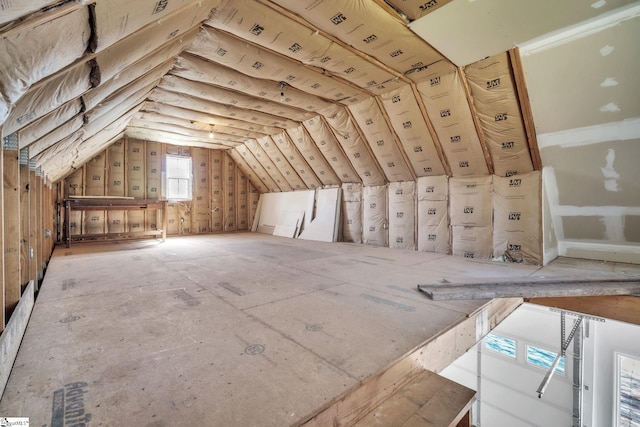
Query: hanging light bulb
point(211, 132)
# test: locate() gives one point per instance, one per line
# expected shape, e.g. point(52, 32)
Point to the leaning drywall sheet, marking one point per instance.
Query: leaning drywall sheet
point(325, 223)
point(46, 124)
point(136, 46)
point(263, 25)
point(297, 161)
point(48, 95)
point(217, 199)
point(498, 109)
point(326, 142)
point(374, 216)
point(381, 140)
point(281, 163)
point(433, 214)
point(268, 164)
point(355, 147)
point(402, 215)
point(352, 212)
point(472, 242)
point(410, 126)
point(264, 64)
point(285, 210)
point(444, 98)
point(369, 28)
point(470, 201)
point(517, 218)
point(312, 155)
point(32, 60)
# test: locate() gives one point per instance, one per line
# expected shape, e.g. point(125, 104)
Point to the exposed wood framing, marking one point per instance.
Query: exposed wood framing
point(621, 308)
point(34, 234)
point(426, 401)
point(24, 218)
point(11, 235)
point(40, 225)
point(525, 106)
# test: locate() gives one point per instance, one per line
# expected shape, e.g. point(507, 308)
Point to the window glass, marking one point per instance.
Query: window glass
point(178, 178)
point(543, 358)
point(502, 345)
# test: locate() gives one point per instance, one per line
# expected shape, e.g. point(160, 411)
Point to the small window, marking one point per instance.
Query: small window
point(179, 178)
point(543, 358)
point(502, 345)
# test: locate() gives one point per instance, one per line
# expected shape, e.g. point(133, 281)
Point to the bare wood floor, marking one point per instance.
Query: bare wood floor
point(228, 330)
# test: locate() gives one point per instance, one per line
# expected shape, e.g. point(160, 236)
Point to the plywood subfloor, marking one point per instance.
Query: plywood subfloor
point(226, 330)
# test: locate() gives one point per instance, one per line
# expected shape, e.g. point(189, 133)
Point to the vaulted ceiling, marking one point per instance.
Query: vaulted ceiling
point(308, 93)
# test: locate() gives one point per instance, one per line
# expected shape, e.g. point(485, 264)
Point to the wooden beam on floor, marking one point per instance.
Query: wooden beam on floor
point(621, 308)
point(533, 289)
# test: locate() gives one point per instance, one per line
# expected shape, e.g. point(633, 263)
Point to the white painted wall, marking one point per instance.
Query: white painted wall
point(609, 337)
point(508, 387)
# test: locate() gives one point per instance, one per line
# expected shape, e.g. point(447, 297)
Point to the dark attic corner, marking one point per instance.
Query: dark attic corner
point(319, 212)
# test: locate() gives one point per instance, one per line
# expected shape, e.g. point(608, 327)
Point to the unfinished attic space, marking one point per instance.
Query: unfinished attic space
point(315, 212)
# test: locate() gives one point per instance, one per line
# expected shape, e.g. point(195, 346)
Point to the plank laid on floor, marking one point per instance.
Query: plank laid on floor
point(427, 400)
point(533, 289)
